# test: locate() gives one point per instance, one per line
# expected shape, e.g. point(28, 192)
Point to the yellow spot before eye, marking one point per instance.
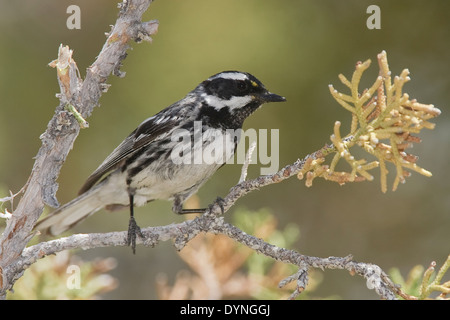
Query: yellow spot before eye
point(254, 84)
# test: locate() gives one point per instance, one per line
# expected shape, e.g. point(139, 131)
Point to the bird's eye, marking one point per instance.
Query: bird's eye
point(242, 85)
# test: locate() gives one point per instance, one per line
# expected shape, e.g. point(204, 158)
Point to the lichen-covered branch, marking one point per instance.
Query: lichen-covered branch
point(78, 98)
point(212, 221)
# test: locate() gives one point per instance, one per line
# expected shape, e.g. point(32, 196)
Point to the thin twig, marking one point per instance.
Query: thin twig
point(248, 160)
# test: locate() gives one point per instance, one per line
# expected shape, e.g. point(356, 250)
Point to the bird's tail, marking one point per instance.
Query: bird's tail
point(71, 213)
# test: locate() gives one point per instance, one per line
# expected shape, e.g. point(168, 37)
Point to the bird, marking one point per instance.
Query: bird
point(159, 160)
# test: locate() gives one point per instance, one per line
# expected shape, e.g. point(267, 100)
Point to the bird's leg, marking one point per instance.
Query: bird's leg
point(178, 207)
point(133, 228)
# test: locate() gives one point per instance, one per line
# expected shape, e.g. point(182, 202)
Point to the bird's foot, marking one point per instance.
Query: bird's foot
point(220, 202)
point(133, 231)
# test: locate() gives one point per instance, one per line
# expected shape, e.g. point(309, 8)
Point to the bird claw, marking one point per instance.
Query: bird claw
point(133, 231)
point(220, 202)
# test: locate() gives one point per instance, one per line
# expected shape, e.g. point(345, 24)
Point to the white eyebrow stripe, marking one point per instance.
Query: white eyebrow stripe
point(231, 75)
point(233, 103)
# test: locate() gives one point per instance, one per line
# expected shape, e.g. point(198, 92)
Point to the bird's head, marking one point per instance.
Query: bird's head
point(236, 94)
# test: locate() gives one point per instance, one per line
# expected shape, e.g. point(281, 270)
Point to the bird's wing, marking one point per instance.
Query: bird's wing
point(148, 131)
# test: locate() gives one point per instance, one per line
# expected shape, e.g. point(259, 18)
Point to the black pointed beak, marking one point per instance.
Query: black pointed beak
point(272, 97)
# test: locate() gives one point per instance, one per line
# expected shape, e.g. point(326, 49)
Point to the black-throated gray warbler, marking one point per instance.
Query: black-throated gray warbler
point(146, 167)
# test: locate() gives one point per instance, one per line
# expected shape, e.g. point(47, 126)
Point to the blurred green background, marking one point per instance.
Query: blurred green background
point(296, 48)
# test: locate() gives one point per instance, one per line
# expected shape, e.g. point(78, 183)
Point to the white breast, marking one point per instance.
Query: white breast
point(183, 176)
